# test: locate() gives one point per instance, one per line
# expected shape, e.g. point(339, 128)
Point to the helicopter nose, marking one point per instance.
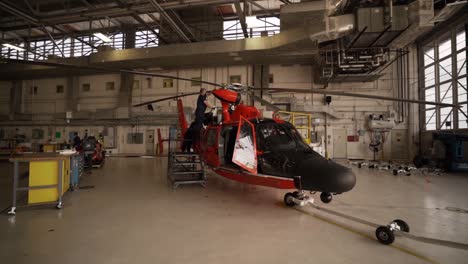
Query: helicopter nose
point(319, 174)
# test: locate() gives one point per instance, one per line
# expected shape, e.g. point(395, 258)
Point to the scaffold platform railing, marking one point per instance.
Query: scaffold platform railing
point(184, 167)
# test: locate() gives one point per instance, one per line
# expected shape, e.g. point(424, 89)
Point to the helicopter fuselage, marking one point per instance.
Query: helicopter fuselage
point(283, 159)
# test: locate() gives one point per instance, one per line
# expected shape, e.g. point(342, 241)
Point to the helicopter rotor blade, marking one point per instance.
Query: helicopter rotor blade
point(358, 95)
point(102, 69)
point(263, 101)
point(313, 91)
point(164, 99)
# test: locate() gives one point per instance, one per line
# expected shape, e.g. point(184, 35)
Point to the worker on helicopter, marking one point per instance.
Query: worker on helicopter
point(202, 104)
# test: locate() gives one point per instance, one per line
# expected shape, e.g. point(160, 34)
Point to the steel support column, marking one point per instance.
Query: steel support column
point(16, 98)
point(71, 96)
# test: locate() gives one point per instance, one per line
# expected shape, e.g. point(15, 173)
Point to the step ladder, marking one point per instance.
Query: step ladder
point(184, 167)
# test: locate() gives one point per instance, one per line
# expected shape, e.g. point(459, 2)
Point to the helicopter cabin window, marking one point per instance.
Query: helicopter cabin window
point(228, 140)
point(274, 137)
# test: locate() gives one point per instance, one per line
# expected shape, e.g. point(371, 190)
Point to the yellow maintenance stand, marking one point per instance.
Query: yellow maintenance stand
point(302, 122)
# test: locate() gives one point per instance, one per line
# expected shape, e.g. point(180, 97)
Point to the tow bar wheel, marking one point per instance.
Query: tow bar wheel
point(402, 224)
point(385, 235)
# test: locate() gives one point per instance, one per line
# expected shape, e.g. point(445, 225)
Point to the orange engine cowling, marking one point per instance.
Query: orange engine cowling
point(246, 111)
point(227, 97)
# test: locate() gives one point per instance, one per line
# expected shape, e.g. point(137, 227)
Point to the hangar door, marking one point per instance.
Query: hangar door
point(399, 144)
point(149, 142)
point(339, 144)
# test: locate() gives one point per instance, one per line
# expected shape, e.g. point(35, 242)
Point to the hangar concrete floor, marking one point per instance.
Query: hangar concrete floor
point(131, 216)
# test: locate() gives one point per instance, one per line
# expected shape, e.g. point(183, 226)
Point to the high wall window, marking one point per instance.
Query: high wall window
point(64, 47)
point(146, 38)
point(444, 79)
point(83, 47)
point(12, 53)
point(268, 26)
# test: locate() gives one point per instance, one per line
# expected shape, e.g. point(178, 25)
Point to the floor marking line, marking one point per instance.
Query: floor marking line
point(349, 229)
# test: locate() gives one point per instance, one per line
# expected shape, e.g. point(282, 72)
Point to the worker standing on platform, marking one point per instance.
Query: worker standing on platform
point(202, 104)
point(188, 138)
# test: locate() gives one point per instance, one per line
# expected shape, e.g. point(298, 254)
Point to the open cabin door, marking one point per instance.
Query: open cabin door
point(245, 149)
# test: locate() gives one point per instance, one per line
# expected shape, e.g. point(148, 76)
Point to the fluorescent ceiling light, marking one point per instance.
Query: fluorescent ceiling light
point(13, 47)
point(103, 37)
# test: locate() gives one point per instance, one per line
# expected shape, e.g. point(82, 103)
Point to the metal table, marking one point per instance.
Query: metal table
point(38, 157)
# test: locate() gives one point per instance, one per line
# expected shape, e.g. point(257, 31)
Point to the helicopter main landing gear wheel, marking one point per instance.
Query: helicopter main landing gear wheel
point(386, 235)
point(326, 197)
point(297, 198)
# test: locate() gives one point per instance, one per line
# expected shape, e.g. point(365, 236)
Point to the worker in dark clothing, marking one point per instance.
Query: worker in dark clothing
point(188, 138)
point(202, 104)
point(76, 141)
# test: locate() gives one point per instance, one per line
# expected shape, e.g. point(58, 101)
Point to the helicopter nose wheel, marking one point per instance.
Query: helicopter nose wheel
point(326, 197)
point(297, 198)
point(289, 199)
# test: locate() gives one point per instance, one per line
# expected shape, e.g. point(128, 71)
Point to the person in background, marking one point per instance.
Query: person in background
point(76, 140)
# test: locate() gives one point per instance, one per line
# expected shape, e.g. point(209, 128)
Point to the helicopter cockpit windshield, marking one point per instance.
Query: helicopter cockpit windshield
point(279, 137)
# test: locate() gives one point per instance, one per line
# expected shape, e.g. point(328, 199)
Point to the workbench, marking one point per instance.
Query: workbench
point(49, 177)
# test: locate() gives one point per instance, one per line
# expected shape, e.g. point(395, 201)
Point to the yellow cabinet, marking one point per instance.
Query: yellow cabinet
point(46, 173)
